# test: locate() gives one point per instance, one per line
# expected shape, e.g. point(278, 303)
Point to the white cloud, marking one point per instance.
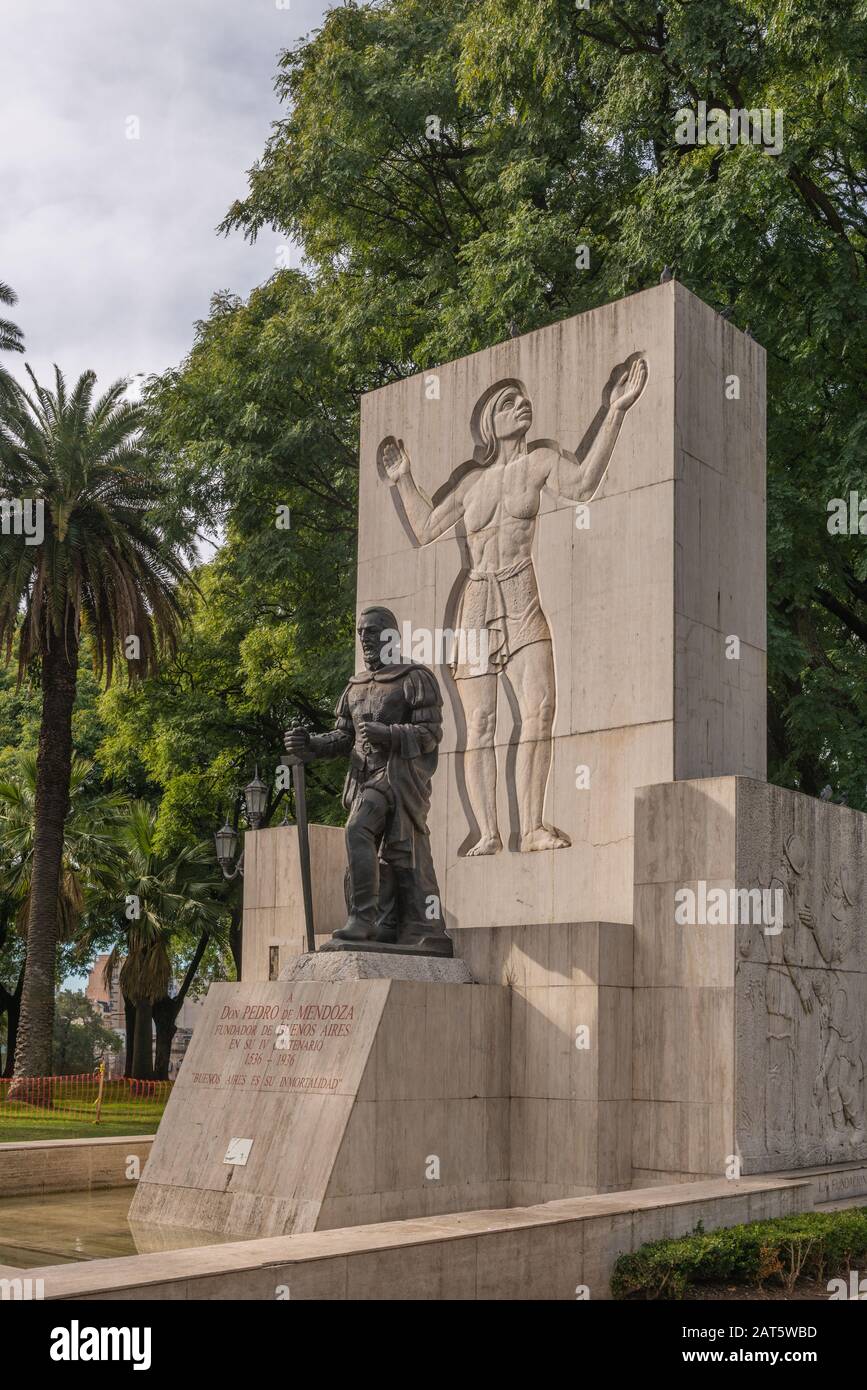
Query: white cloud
point(110, 242)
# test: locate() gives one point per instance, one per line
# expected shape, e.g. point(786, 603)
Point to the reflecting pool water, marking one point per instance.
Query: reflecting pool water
point(66, 1226)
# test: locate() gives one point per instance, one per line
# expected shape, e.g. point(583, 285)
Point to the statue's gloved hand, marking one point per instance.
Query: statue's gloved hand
point(377, 734)
point(296, 741)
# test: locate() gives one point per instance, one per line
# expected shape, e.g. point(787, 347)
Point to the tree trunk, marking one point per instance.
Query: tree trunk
point(53, 761)
point(13, 1011)
point(143, 1045)
point(129, 1021)
point(59, 1058)
point(236, 940)
point(165, 1014)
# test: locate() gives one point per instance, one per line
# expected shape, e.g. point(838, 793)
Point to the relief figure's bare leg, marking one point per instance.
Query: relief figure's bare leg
point(478, 696)
point(530, 673)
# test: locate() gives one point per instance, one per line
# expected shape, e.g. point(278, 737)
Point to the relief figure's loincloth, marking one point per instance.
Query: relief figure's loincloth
point(500, 608)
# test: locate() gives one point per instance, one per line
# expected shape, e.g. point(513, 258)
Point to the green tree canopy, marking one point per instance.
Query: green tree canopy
point(81, 1035)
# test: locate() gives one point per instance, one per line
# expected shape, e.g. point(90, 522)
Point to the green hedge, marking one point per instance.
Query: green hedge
point(812, 1245)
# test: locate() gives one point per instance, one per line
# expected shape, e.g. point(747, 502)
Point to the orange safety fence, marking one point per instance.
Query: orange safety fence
point(90, 1096)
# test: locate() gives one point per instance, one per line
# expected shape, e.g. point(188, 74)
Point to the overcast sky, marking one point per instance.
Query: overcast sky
point(108, 241)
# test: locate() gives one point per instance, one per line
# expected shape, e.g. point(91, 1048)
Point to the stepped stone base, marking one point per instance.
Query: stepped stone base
point(337, 966)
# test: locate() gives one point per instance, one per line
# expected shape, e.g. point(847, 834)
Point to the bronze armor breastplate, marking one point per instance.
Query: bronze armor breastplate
point(381, 702)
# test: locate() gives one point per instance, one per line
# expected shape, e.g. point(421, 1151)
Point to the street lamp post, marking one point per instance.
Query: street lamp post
point(226, 838)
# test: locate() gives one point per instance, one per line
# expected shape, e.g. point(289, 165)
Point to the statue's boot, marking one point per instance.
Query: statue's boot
point(385, 927)
point(356, 929)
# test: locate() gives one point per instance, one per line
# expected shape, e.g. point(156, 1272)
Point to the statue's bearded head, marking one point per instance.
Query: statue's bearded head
point(378, 633)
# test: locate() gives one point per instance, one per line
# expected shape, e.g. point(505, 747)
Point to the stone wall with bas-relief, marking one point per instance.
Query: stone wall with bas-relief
point(749, 1027)
point(585, 504)
point(802, 994)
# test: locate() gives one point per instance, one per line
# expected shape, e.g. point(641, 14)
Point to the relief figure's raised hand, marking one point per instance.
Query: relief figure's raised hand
point(628, 385)
point(393, 458)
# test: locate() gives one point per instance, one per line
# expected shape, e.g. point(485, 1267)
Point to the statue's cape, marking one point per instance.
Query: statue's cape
point(385, 673)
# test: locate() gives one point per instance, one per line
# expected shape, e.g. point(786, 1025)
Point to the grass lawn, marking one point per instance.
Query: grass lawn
point(71, 1115)
point(26, 1129)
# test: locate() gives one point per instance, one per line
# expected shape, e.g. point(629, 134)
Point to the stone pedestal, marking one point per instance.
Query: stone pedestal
point(364, 1087)
point(339, 1097)
point(333, 967)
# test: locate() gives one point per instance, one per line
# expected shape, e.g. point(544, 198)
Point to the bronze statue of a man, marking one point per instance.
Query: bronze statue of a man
point(389, 722)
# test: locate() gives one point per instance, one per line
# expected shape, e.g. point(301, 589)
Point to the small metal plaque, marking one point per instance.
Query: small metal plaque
point(238, 1151)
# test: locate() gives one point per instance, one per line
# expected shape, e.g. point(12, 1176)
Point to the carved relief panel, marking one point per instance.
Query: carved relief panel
point(802, 991)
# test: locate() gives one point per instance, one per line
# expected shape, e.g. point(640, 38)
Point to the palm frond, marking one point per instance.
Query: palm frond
point(105, 561)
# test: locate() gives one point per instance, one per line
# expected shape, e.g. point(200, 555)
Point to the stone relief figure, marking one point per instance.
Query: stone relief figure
point(839, 1081)
point(835, 930)
point(787, 996)
point(820, 925)
point(497, 496)
point(389, 724)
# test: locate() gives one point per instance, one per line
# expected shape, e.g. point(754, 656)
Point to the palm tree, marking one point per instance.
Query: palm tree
point(91, 856)
point(104, 565)
point(175, 908)
point(11, 337)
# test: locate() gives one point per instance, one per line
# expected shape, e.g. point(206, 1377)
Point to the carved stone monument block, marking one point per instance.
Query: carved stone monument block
point(273, 921)
point(661, 961)
point(570, 527)
point(750, 1002)
point(570, 986)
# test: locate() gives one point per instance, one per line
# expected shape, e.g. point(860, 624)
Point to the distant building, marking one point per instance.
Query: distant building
point(109, 1001)
point(191, 1010)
